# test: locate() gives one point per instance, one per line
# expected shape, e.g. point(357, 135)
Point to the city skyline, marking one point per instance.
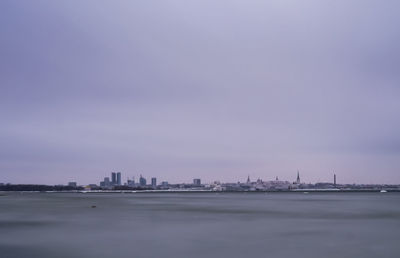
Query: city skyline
point(199, 89)
point(120, 179)
point(329, 176)
point(113, 183)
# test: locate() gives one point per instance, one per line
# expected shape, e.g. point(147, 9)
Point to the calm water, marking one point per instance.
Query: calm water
point(200, 225)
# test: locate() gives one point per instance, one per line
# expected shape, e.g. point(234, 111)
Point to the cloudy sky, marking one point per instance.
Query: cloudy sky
point(212, 89)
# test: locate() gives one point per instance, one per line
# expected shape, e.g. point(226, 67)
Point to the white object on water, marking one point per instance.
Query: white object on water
point(383, 191)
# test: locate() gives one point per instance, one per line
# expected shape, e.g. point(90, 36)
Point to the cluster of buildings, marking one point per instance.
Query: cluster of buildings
point(259, 185)
point(115, 183)
point(115, 180)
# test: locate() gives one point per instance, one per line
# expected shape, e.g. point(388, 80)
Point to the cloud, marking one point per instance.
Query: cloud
point(184, 89)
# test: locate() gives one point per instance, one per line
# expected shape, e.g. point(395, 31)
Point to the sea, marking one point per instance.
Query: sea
point(209, 224)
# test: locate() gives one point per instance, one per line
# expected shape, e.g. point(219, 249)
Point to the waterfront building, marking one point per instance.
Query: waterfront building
point(113, 178)
point(197, 182)
point(92, 187)
point(154, 182)
point(119, 178)
point(142, 181)
point(131, 183)
point(105, 183)
point(72, 184)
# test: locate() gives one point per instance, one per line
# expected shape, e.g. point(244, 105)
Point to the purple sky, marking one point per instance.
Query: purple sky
point(210, 89)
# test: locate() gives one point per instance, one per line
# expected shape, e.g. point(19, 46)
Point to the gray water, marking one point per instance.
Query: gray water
point(200, 225)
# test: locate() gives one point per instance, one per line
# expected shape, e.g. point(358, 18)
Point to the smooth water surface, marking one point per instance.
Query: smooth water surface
point(200, 225)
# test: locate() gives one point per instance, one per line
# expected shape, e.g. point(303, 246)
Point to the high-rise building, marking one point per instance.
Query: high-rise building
point(197, 181)
point(106, 182)
point(142, 181)
point(119, 178)
point(113, 178)
point(154, 182)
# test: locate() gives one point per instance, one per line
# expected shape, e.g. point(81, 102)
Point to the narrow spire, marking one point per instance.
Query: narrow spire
point(298, 177)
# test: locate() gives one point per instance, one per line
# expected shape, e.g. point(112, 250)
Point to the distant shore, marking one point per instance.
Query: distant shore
point(2, 193)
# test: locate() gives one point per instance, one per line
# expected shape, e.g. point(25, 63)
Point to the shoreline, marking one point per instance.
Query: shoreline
point(2, 193)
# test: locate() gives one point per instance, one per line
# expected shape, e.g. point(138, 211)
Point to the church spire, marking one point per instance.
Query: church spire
point(298, 177)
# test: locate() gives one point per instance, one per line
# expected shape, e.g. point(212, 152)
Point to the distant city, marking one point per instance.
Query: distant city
point(114, 183)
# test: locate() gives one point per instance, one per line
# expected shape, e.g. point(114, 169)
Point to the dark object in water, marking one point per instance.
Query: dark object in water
point(93, 206)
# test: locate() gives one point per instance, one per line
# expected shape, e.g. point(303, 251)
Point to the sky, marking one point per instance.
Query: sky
point(183, 89)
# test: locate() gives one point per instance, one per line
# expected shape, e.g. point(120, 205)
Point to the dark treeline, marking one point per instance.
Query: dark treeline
point(23, 187)
point(10, 187)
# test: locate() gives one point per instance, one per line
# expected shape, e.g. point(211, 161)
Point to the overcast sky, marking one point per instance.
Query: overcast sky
point(216, 90)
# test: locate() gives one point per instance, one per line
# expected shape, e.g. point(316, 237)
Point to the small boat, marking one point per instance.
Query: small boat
point(383, 191)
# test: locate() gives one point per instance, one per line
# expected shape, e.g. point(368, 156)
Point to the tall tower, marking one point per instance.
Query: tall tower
point(154, 182)
point(248, 179)
point(119, 178)
point(298, 177)
point(334, 180)
point(142, 181)
point(113, 178)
